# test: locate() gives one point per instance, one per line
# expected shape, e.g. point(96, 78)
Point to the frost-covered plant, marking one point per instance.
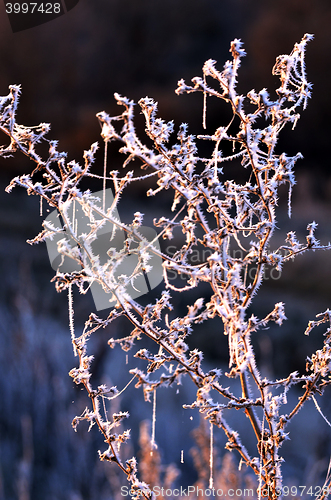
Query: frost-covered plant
point(213, 212)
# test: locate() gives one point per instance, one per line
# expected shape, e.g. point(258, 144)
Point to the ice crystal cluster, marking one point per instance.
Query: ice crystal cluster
point(213, 212)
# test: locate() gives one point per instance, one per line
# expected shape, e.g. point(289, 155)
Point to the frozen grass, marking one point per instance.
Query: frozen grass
point(234, 220)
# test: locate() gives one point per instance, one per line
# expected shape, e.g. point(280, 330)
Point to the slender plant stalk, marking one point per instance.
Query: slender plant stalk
point(212, 212)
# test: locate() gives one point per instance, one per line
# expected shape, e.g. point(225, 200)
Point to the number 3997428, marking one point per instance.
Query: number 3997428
point(33, 8)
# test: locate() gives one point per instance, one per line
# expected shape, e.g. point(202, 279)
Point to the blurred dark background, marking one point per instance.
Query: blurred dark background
point(69, 69)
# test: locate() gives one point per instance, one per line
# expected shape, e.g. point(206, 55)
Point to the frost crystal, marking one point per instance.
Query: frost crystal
point(215, 214)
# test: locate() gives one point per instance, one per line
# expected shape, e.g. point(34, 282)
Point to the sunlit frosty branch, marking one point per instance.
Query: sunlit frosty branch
point(213, 212)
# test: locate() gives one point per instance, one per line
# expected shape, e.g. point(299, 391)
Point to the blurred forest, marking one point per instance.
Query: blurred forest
point(69, 70)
